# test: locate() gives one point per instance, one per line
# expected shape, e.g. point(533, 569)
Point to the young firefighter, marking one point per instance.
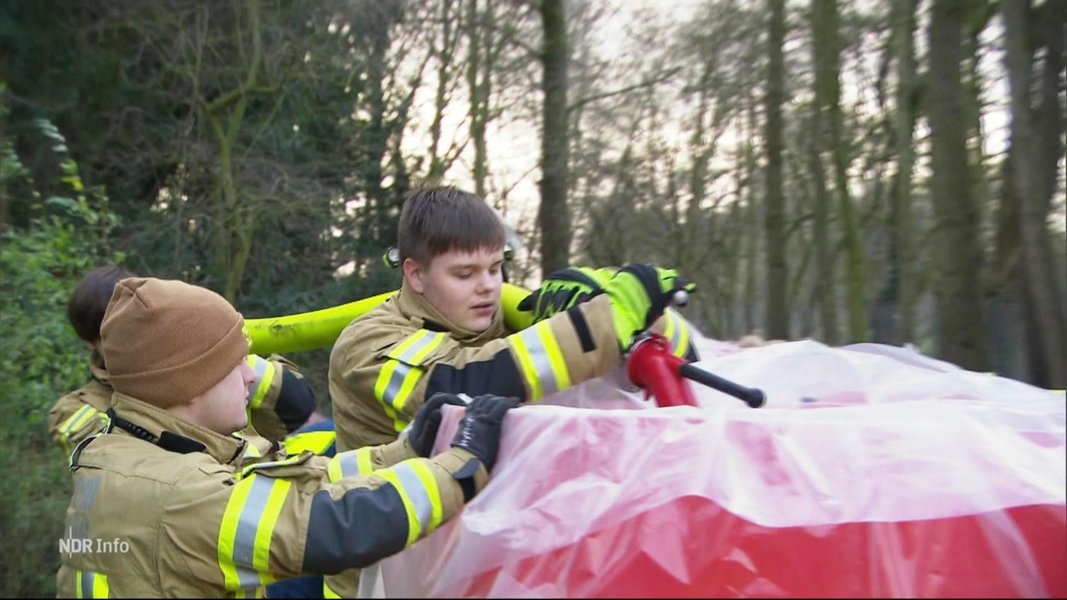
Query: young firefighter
point(444, 331)
point(280, 400)
point(162, 499)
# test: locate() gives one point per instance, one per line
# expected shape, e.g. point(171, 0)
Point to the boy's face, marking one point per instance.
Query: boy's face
point(222, 408)
point(463, 286)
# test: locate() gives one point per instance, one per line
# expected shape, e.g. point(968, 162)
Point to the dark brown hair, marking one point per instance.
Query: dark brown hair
point(441, 219)
point(88, 301)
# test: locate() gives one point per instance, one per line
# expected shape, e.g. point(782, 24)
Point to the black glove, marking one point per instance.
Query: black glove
point(428, 420)
point(479, 430)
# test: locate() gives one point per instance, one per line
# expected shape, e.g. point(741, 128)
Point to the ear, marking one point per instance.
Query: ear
point(413, 274)
point(188, 410)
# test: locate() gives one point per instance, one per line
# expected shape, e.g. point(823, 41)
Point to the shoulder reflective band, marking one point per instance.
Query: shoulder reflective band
point(540, 360)
point(419, 493)
point(89, 584)
point(400, 374)
point(350, 464)
point(245, 533)
point(264, 370)
point(316, 441)
point(76, 421)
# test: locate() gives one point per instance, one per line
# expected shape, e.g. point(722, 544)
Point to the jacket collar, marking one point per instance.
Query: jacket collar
point(414, 306)
point(97, 368)
point(162, 425)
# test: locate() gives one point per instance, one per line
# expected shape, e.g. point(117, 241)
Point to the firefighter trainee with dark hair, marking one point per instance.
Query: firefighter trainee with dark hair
point(165, 479)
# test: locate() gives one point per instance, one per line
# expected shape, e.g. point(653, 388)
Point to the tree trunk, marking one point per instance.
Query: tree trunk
point(1010, 353)
point(233, 221)
point(751, 248)
point(1031, 164)
point(445, 54)
point(855, 261)
point(376, 141)
point(903, 254)
point(478, 80)
point(553, 216)
point(958, 252)
point(777, 316)
point(824, 32)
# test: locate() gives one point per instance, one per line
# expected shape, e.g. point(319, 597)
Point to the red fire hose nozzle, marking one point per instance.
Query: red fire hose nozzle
point(653, 367)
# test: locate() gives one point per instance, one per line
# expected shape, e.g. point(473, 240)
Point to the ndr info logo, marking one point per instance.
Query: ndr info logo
point(73, 545)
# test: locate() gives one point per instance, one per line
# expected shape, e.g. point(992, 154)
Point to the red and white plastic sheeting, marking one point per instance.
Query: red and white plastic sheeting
point(872, 471)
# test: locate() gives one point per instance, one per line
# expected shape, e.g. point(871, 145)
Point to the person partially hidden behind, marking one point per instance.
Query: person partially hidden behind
point(280, 400)
point(186, 513)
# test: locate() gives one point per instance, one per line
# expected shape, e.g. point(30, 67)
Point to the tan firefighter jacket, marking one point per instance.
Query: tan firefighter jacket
point(165, 508)
point(387, 362)
point(79, 414)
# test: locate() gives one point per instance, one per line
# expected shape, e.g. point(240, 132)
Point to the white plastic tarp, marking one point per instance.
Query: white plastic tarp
point(871, 471)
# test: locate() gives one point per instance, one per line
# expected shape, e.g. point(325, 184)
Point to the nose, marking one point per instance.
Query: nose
point(488, 281)
point(247, 374)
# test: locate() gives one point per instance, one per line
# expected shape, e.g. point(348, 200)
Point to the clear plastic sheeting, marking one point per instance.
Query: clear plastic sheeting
point(872, 471)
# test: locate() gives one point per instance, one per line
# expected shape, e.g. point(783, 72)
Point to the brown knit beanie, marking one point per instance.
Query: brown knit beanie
point(166, 342)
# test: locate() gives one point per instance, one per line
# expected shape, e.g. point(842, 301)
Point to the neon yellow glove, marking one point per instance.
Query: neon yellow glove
point(639, 294)
point(563, 289)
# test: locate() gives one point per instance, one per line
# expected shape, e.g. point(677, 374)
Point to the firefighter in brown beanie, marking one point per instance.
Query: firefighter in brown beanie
point(280, 400)
point(162, 506)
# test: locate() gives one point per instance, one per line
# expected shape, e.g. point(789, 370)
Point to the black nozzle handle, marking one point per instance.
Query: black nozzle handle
point(753, 397)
